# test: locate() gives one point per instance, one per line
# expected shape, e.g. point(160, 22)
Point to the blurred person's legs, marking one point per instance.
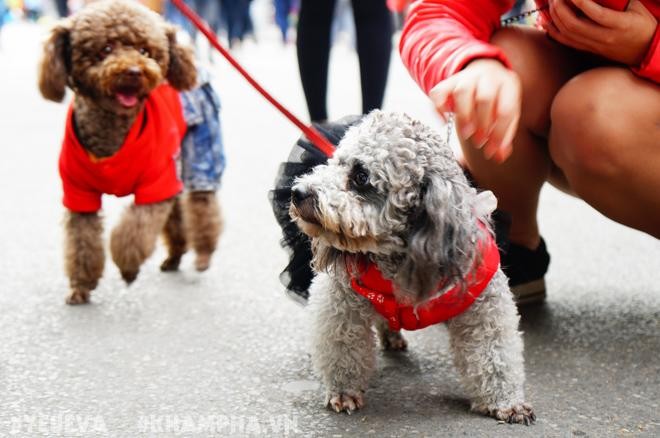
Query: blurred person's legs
point(62, 7)
point(248, 26)
point(374, 26)
point(173, 15)
point(232, 17)
point(32, 9)
point(282, 9)
point(313, 47)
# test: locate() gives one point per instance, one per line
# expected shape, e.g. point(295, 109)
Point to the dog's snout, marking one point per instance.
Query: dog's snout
point(299, 195)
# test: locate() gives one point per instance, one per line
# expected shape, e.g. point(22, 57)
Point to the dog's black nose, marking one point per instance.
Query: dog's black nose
point(133, 71)
point(298, 196)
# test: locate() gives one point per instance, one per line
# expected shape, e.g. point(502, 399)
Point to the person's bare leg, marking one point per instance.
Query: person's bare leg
point(605, 137)
point(517, 182)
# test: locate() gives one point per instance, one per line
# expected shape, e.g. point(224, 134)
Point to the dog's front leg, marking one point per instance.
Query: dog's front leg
point(84, 254)
point(343, 351)
point(488, 351)
point(134, 239)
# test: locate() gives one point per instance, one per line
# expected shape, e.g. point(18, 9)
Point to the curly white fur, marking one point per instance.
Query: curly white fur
point(394, 193)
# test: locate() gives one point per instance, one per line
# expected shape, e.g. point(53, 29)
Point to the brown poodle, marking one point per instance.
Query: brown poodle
point(124, 65)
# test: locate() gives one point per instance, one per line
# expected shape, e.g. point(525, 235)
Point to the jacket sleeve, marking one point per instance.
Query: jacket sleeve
point(78, 198)
point(650, 67)
point(442, 36)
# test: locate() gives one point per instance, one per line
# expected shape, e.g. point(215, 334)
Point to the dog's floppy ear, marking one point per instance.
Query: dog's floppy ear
point(181, 72)
point(441, 241)
point(55, 63)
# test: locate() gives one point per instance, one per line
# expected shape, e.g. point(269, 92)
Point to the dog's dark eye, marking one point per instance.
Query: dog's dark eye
point(144, 51)
point(361, 182)
point(105, 51)
point(361, 178)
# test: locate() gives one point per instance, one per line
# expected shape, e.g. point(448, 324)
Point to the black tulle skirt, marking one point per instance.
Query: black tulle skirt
point(298, 274)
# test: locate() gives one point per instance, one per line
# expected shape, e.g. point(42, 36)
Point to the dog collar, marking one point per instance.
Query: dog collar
point(380, 292)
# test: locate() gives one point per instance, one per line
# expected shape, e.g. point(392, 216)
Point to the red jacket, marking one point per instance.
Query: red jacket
point(441, 36)
point(371, 284)
point(145, 165)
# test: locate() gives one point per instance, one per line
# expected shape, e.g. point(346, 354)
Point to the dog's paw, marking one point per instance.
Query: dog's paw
point(202, 262)
point(519, 413)
point(393, 341)
point(77, 297)
point(170, 264)
point(129, 276)
point(348, 401)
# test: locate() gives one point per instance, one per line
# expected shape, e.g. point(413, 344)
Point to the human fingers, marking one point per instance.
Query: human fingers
point(441, 97)
point(563, 37)
point(463, 100)
point(485, 99)
point(599, 14)
point(507, 116)
point(580, 30)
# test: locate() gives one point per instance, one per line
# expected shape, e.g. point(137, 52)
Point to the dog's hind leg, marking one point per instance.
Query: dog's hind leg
point(204, 224)
point(343, 352)
point(390, 340)
point(84, 254)
point(488, 352)
point(175, 238)
point(134, 239)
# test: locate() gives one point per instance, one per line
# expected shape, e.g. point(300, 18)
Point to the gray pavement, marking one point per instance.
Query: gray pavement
point(225, 353)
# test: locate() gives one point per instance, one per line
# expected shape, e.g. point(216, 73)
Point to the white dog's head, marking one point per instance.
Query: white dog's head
point(395, 193)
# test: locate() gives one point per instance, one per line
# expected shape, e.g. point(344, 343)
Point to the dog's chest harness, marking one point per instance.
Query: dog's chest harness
point(371, 284)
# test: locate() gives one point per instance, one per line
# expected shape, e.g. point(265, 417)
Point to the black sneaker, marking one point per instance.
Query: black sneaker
point(526, 269)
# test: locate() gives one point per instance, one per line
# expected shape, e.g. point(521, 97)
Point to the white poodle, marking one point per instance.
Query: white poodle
point(401, 240)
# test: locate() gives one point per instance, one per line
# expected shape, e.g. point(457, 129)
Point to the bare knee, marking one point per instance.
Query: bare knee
point(588, 134)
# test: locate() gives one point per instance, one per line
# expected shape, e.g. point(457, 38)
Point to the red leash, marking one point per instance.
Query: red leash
point(312, 134)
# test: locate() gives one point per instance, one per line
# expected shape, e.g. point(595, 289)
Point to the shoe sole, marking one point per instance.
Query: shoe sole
point(532, 292)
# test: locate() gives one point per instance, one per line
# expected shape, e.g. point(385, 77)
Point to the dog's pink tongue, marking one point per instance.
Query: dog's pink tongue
point(127, 100)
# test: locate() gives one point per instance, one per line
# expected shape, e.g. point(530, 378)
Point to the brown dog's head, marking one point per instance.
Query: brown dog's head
point(114, 52)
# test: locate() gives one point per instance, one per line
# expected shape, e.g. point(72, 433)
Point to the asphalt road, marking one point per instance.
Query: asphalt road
point(225, 353)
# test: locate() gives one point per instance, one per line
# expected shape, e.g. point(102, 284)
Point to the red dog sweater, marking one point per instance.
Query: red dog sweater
point(371, 285)
point(145, 165)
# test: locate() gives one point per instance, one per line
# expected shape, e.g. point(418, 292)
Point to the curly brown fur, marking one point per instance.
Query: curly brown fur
point(134, 239)
point(55, 63)
point(112, 54)
point(174, 236)
point(84, 254)
point(181, 64)
point(204, 225)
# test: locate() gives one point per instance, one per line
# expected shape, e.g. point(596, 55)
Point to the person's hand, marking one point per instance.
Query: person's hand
point(618, 36)
point(485, 97)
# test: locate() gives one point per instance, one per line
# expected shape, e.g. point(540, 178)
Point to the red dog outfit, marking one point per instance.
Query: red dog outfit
point(145, 165)
point(371, 285)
